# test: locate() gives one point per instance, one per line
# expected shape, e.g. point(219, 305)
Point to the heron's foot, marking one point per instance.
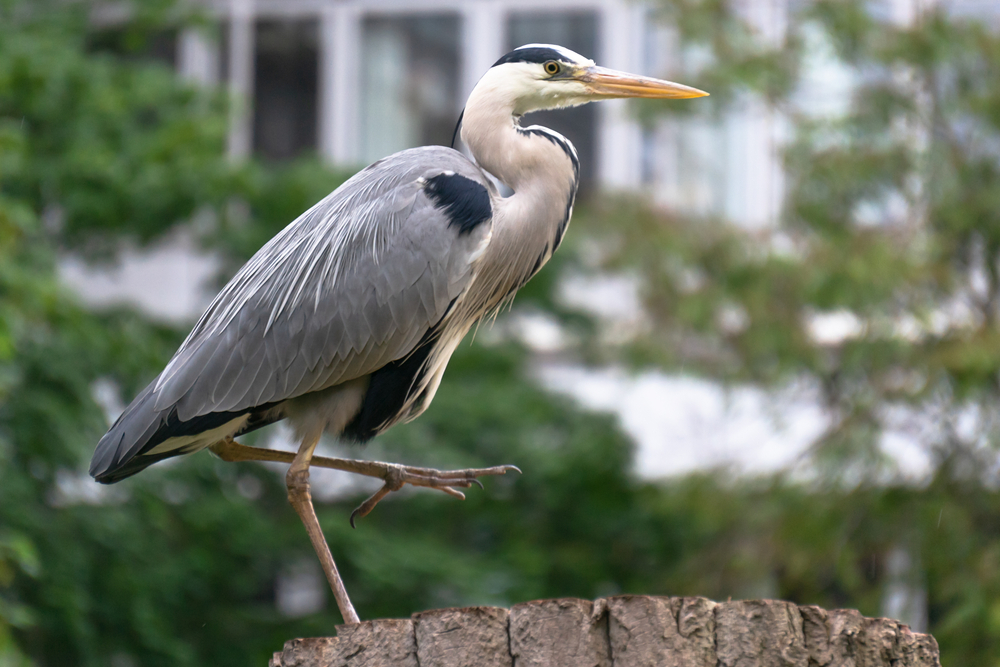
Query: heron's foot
point(397, 476)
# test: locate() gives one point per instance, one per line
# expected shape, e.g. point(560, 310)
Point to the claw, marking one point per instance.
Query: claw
point(397, 476)
point(365, 508)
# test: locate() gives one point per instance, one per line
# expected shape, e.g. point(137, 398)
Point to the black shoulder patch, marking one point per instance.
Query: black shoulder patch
point(464, 201)
point(534, 54)
point(388, 389)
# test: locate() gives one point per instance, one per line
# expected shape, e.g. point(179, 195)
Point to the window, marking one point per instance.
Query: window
point(409, 83)
point(285, 88)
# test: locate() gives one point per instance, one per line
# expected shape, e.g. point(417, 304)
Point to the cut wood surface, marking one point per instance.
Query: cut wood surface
point(621, 631)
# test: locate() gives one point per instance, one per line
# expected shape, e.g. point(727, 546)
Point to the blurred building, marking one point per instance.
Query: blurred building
point(355, 80)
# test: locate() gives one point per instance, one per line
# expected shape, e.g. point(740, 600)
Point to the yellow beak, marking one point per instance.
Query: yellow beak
point(608, 83)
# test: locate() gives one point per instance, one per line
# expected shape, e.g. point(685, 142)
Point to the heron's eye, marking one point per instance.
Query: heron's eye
point(551, 67)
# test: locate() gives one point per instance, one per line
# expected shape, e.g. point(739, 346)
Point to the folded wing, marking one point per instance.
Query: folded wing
point(354, 283)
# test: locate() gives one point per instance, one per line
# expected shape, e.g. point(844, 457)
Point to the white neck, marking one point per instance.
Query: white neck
point(490, 129)
point(528, 225)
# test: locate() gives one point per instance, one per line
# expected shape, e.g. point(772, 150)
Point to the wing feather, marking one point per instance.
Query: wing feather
point(351, 285)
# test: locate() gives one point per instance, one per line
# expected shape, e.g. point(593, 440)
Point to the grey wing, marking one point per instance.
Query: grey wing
point(353, 284)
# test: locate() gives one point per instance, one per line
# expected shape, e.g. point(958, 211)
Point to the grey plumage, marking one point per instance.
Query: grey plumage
point(352, 284)
point(347, 318)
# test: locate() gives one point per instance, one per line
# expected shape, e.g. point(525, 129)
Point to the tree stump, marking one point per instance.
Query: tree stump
point(621, 631)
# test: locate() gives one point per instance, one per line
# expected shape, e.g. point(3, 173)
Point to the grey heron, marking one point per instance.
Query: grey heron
point(345, 321)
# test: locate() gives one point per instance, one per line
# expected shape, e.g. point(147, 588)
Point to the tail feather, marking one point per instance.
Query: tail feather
point(127, 447)
point(132, 466)
point(116, 455)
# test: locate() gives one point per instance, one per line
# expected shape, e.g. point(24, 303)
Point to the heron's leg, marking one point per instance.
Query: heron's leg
point(229, 450)
point(299, 496)
point(395, 476)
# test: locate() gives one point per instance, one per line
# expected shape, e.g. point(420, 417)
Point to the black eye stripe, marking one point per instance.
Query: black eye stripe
point(538, 55)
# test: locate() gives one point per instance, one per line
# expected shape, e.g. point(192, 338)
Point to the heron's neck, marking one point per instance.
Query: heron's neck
point(522, 158)
point(542, 169)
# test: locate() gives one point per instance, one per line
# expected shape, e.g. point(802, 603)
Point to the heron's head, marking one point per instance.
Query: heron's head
point(545, 76)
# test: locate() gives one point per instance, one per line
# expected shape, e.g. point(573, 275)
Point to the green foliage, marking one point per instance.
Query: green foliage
point(890, 216)
point(890, 219)
point(115, 147)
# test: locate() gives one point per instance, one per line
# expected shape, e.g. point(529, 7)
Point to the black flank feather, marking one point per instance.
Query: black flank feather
point(388, 390)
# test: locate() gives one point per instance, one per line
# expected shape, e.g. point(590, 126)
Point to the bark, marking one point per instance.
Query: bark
point(559, 633)
point(621, 631)
point(470, 637)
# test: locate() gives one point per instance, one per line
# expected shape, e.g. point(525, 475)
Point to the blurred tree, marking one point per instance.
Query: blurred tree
point(890, 228)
